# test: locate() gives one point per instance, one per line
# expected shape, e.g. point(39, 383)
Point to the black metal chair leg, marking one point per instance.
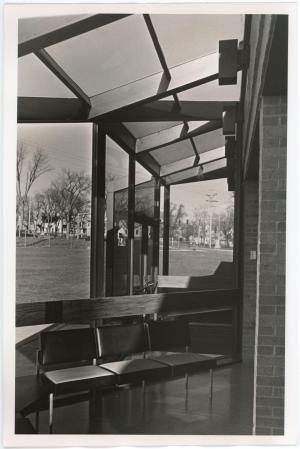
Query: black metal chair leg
point(37, 421)
point(143, 399)
point(50, 412)
point(186, 390)
point(211, 387)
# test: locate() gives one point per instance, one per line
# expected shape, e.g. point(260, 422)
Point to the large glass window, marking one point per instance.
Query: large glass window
point(116, 219)
point(201, 234)
point(143, 228)
point(53, 215)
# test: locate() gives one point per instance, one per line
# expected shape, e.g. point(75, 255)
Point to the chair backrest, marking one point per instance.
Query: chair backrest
point(68, 346)
point(122, 340)
point(167, 335)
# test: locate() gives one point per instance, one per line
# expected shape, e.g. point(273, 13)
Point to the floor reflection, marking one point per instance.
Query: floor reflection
point(165, 408)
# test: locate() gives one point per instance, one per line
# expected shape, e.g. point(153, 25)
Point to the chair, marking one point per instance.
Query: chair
point(60, 351)
point(174, 334)
point(121, 341)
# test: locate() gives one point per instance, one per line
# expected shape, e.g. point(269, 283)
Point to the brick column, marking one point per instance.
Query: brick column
point(250, 219)
point(270, 305)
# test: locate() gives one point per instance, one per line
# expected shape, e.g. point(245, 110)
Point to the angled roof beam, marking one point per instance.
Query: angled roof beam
point(167, 111)
point(51, 110)
point(155, 87)
point(157, 46)
point(213, 174)
point(55, 68)
point(58, 29)
point(123, 137)
point(166, 70)
point(173, 135)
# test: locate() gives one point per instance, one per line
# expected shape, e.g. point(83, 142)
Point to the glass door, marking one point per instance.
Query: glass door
point(142, 258)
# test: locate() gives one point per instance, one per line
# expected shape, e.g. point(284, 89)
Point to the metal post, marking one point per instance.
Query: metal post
point(166, 235)
point(211, 387)
point(145, 252)
point(186, 390)
point(156, 230)
point(131, 208)
point(143, 399)
point(50, 412)
point(37, 421)
point(98, 213)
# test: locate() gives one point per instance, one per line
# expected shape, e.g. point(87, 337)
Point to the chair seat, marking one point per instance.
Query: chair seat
point(136, 370)
point(78, 378)
point(186, 362)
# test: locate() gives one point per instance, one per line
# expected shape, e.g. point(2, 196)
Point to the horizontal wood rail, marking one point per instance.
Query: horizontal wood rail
point(87, 310)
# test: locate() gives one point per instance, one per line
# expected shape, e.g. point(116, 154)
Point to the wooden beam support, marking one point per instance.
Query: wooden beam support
point(42, 32)
point(51, 110)
point(156, 87)
point(98, 213)
point(55, 68)
point(159, 111)
point(166, 234)
point(83, 310)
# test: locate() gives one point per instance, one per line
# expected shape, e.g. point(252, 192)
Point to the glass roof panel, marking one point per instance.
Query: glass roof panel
point(209, 141)
point(212, 154)
point(194, 172)
point(108, 57)
point(213, 92)
point(189, 161)
point(184, 175)
point(31, 27)
point(215, 165)
point(36, 80)
point(142, 129)
point(184, 37)
point(174, 152)
point(177, 165)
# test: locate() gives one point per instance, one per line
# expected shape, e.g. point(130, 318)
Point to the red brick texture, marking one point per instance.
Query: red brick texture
point(270, 326)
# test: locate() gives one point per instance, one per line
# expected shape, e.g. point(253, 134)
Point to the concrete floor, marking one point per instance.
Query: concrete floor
point(166, 410)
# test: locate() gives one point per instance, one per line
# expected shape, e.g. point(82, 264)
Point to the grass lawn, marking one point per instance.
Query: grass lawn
point(49, 274)
point(201, 262)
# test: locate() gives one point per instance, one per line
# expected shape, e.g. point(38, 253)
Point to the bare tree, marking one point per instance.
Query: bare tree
point(227, 224)
point(27, 173)
point(177, 214)
point(70, 194)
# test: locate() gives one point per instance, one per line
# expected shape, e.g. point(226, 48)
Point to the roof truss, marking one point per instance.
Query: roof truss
point(145, 100)
point(58, 29)
point(168, 111)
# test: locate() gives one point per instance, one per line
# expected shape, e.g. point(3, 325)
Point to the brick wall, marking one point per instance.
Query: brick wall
point(270, 326)
point(250, 219)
